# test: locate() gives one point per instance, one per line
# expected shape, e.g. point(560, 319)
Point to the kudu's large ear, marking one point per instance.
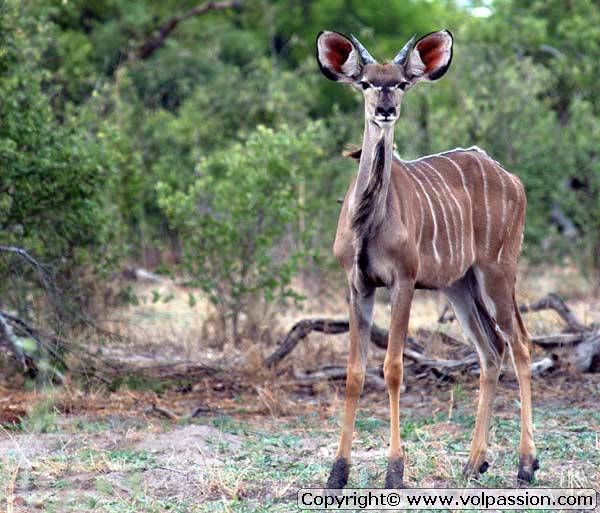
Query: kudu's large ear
point(430, 57)
point(338, 58)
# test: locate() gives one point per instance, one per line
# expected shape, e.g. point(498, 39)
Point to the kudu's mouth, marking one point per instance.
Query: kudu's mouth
point(385, 121)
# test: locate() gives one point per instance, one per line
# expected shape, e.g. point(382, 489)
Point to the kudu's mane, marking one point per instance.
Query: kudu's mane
point(363, 216)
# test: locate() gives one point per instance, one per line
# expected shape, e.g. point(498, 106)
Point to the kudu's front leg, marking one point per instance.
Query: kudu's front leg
point(361, 318)
point(393, 374)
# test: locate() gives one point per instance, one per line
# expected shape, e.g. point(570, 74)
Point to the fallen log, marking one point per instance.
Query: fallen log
point(413, 350)
point(557, 340)
point(302, 328)
point(582, 341)
point(585, 356)
point(299, 331)
point(545, 364)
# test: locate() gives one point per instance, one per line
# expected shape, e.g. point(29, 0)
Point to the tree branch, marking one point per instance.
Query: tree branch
point(35, 334)
point(153, 43)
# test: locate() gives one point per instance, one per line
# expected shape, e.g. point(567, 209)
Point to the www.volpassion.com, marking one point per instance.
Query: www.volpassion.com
point(453, 498)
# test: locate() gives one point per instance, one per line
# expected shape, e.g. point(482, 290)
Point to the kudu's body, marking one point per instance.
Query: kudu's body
point(452, 221)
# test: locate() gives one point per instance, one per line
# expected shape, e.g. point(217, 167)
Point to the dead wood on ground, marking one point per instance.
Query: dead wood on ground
point(373, 377)
point(582, 342)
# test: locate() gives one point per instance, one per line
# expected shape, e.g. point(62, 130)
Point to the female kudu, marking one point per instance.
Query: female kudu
point(452, 221)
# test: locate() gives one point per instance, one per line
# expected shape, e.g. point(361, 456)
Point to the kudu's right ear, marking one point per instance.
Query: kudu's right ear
point(338, 58)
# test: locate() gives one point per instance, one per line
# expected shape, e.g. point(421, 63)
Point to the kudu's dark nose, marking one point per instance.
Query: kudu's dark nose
point(385, 111)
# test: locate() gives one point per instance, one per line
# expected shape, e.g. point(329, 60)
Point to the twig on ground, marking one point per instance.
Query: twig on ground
point(161, 411)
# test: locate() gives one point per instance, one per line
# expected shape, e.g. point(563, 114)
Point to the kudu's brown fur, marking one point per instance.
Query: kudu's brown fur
point(452, 221)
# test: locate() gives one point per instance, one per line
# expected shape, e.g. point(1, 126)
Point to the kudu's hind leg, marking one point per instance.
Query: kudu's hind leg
point(361, 317)
point(519, 347)
point(476, 323)
point(498, 291)
point(393, 374)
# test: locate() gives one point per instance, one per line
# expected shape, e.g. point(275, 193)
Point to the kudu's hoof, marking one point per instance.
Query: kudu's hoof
point(527, 467)
point(473, 470)
point(395, 474)
point(338, 478)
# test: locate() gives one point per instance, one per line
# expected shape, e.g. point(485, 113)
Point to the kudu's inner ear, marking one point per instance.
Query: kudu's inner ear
point(430, 57)
point(337, 57)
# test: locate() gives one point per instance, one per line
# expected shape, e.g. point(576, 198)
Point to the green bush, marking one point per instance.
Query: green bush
point(56, 177)
point(244, 222)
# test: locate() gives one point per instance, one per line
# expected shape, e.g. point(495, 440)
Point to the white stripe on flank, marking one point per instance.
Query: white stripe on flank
point(486, 206)
point(464, 183)
point(435, 228)
point(512, 217)
point(422, 218)
point(444, 216)
point(458, 229)
point(499, 257)
point(503, 214)
point(503, 228)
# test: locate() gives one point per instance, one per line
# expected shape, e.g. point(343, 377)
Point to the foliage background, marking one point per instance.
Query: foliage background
point(219, 156)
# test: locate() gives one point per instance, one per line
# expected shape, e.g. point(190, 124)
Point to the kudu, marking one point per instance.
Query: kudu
point(451, 221)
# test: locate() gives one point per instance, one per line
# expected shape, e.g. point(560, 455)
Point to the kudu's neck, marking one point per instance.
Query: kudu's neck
point(369, 201)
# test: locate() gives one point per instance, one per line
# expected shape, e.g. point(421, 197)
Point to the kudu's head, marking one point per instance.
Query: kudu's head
point(344, 59)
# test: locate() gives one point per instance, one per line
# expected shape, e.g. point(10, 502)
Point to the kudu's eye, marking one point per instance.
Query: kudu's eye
point(365, 85)
point(402, 85)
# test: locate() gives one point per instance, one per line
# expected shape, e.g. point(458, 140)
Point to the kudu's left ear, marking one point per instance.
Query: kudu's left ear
point(338, 58)
point(430, 57)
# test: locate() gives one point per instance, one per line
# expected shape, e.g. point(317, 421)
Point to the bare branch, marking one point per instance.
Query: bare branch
point(36, 335)
point(302, 328)
point(299, 331)
point(24, 255)
point(150, 45)
point(556, 303)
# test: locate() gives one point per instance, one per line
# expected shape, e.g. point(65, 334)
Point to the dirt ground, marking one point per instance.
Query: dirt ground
point(256, 437)
point(97, 451)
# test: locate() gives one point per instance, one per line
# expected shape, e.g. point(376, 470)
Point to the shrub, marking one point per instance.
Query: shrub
point(243, 220)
